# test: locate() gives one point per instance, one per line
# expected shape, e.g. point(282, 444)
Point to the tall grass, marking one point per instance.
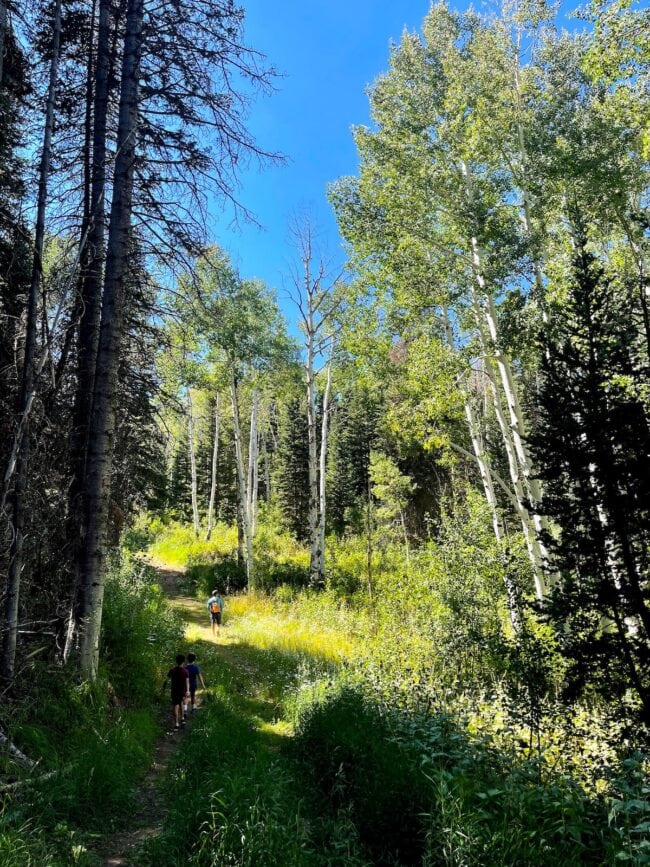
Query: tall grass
point(445, 742)
point(176, 545)
point(97, 738)
point(319, 625)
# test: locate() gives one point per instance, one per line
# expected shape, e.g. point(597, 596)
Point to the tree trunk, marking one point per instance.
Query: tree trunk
point(192, 452)
point(29, 371)
point(527, 487)
point(215, 466)
point(102, 424)
point(241, 480)
point(314, 574)
point(90, 291)
point(91, 272)
point(241, 557)
point(253, 463)
point(3, 36)
point(369, 530)
point(321, 475)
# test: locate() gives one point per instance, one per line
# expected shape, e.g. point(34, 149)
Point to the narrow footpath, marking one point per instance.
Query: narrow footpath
point(257, 693)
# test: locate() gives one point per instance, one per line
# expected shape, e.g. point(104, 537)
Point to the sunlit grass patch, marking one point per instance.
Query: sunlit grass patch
point(321, 630)
point(178, 546)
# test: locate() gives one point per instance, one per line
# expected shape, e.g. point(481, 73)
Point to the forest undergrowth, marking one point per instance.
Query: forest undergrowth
point(338, 728)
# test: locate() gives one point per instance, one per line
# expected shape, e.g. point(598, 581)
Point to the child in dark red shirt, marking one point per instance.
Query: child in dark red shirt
point(180, 689)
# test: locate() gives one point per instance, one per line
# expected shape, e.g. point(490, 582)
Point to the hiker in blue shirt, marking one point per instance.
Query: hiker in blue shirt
point(195, 676)
point(215, 607)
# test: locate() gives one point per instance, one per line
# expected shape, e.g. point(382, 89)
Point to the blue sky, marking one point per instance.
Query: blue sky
point(327, 51)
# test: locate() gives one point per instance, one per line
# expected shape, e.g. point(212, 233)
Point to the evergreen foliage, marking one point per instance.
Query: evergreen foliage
point(291, 471)
point(593, 443)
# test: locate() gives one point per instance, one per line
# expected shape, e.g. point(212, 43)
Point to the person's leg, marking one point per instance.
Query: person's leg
point(219, 625)
point(177, 713)
point(192, 697)
point(213, 624)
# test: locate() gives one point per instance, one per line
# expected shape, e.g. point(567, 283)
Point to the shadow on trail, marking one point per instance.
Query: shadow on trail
point(253, 681)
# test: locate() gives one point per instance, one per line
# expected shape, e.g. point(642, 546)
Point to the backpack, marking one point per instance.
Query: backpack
point(215, 608)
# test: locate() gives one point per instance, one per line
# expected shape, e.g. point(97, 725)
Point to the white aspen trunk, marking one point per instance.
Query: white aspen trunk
point(28, 376)
point(192, 452)
point(322, 469)
point(490, 496)
point(102, 425)
point(241, 480)
point(215, 465)
point(267, 465)
point(314, 575)
point(519, 497)
point(513, 429)
point(484, 469)
point(252, 463)
point(485, 472)
point(256, 479)
point(535, 553)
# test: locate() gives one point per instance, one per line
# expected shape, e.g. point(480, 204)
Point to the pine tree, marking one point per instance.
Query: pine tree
point(593, 444)
point(291, 468)
point(354, 433)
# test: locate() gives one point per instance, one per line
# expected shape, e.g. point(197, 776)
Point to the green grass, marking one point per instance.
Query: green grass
point(304, 754)
point(178, 546)
point(233, 790)
point(98, 738)
point(334, 731)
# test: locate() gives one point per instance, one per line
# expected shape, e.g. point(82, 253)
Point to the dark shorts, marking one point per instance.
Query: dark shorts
point(177, 698)
point(216, 617)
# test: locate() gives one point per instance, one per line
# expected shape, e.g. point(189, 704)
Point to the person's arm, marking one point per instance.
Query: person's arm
point(187, 684)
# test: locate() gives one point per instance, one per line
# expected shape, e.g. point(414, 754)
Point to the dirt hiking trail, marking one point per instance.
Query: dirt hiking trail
point(148, 819)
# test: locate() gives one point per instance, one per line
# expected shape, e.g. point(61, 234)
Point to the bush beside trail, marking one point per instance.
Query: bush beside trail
point(98, 738)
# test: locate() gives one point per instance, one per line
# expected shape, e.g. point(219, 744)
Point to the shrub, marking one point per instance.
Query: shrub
point(225, 574)
point(420, 790)
point(178, 546)
point(140, 632)
point(344, 742)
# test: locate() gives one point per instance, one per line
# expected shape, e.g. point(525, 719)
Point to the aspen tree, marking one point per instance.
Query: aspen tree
point(215, 465)
point(314, 293)
point(191, 441)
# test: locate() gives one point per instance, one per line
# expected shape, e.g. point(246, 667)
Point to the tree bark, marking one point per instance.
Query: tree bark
point(91, 272)
point(12, 598)
point(527, 486)
point(102, 425)
point(314, 571)
point(192, 452)
point(253, 462)
point(322, 500)
point(215, 466)
point(3, 36)
point(241, 481)
point(369, 530)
